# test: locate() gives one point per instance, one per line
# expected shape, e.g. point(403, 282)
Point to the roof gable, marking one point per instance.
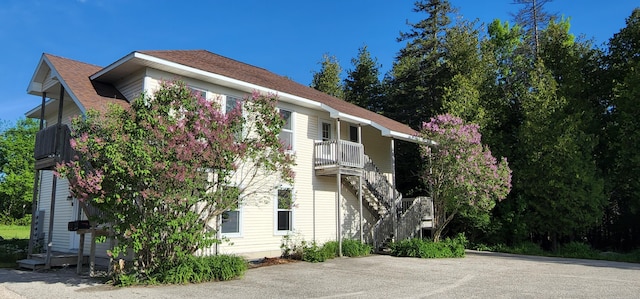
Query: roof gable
point(74, 77)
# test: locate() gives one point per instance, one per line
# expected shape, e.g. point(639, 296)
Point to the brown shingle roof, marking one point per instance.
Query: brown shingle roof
point(91, 94)
point(221, 65)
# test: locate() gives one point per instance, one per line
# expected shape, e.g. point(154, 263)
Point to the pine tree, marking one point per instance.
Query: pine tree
point(327, 79)
point(362, 85)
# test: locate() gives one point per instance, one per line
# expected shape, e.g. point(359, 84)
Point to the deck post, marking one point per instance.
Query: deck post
point(80, 253)
point(54, 186)
point(394, 192)
point(339, 185)
point(360, 185)
point(36, 182)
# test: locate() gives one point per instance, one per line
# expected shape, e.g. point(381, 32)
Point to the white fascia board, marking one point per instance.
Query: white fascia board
point(412, 138)
point(304, 101)
point(348, 117)
point(232, 81)
point(36, 87)
point(112, 66)
point(36, 109)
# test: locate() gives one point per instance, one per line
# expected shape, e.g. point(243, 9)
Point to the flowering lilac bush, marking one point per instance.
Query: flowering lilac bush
point(461, 172)
point(160, 170)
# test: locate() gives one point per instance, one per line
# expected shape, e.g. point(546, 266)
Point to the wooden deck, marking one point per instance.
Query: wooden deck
point(58, 259)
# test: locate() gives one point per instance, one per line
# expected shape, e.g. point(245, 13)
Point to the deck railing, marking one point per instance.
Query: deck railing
point(52, 146)
point(47, 141)
point(339, 153)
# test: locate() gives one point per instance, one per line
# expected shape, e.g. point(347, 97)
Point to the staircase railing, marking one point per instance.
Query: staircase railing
point(414, 213)
point(410, 215)
point(378, 184)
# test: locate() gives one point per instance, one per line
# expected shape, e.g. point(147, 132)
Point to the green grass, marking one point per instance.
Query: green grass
point(14, 232)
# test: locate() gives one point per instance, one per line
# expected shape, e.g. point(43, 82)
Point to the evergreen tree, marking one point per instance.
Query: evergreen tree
point(415, 85)
point(362, 85)
point(327, 79)
point(418, 76)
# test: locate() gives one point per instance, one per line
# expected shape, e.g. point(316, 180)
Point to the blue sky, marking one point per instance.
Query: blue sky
point(287, 37)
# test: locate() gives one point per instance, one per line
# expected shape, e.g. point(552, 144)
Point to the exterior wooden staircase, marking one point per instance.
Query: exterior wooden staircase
point(398, 218)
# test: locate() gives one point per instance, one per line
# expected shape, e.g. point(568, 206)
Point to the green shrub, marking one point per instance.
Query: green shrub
point(353, 248)
point(190, 269)
point(577, 250)
point(428, 249)
point(528, 248)
point(330, 249)
point(12, 250)
point(314, 253)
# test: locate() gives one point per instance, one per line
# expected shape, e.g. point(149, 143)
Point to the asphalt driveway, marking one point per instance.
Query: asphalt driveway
point(479, 275)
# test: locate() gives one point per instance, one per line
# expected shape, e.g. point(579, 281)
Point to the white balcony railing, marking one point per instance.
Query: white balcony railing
point(338, 153)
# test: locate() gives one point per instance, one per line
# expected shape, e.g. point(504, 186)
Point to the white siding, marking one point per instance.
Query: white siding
point(131, 87)
point(315, 210)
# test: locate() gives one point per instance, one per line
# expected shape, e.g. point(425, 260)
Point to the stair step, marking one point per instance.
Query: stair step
point(32, 264)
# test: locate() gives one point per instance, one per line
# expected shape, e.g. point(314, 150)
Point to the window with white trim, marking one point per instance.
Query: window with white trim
point(230, 103)
point(231, 218)
point(286, 134)
point(284, 210)
point(326, 131)
point(353, 133)
point(198, 92)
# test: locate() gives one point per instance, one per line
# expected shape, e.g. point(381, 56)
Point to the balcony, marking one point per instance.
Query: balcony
point(333, 156)
point(46, 151)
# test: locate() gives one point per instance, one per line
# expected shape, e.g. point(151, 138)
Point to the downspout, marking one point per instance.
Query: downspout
point(36, 179)
point(55, 180)
point(339, 185)
point(360, 185)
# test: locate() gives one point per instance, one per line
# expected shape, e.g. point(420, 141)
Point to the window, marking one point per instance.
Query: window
point(353, 133)
point(284, 213)
point(198, 92)
point(326, 131)
point(231, 103)
point(231, 218)
point(286, 134)
point(231, 222)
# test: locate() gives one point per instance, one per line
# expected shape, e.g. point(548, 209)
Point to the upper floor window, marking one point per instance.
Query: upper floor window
point(198, 92)
point(326, 131)
point(231, 103)
point(286, 134)
point(353, 134)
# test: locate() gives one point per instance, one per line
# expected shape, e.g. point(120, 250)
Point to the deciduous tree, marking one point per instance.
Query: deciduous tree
point(163, 170)
point(17, 169)
point(463, 175)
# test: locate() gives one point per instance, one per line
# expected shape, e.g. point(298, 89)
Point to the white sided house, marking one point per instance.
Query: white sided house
point(344, 173)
